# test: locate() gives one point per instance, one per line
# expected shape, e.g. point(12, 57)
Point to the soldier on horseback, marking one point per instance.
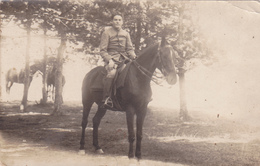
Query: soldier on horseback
point(115, 47)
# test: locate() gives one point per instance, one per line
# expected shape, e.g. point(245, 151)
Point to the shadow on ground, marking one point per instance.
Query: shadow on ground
point(202, 141)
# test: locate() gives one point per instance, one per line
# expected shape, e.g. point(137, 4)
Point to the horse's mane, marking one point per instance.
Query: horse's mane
point(149, 50)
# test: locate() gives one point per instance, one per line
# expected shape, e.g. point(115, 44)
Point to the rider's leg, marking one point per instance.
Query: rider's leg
point(108, 87)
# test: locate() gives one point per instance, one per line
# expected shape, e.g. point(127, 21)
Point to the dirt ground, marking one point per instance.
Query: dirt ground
point(37, 138)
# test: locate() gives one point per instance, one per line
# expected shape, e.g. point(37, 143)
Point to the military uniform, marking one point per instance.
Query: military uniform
point(116, 45)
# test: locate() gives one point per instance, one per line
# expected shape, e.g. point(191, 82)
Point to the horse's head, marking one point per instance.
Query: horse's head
point(166, 62)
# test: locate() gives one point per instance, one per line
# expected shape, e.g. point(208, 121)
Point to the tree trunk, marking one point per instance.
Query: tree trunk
point(58, 76)
point(27, 80)
point(183, 105)
point(139, 30)
point(138, 35)
point(0, 57)
point(44, 74)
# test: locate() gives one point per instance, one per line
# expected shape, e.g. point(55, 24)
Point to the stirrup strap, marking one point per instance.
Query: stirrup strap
point(109, 102)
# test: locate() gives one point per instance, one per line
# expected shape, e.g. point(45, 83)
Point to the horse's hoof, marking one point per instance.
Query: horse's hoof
point(132, 162)
point(142, 163)
point(81, 152)
point(21, 107)
point(99, 151)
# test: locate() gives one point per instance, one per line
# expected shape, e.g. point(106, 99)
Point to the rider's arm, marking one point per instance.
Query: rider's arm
point(103, 46)
point(129, 47)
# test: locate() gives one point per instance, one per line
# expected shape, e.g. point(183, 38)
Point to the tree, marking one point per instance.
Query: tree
point(0, 53)
point(59, 12)
point(60, 17)
point(0, 50)
point(44, 74)
point(190, 47)
point(23, 12)
point(42, 18)
point(27, 57)
point(65, 18)
point(148, 21)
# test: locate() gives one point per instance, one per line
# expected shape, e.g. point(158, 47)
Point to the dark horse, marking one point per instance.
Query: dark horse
point(134, 96)
point(51, 80)
point(14, 76)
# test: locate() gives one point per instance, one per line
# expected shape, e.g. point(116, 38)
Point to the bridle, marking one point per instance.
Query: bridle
point(149, 74)
point(161, 62)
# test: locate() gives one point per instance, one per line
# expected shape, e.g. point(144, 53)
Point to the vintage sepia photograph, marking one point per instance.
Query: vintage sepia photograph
point(129, 83)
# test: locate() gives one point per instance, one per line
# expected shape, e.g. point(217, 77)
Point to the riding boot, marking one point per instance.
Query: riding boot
point(107, 101)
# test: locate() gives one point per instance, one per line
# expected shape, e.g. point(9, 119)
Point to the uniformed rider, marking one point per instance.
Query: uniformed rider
point(115, 47)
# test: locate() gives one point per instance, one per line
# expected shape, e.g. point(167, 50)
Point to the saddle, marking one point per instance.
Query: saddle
point(118, 82)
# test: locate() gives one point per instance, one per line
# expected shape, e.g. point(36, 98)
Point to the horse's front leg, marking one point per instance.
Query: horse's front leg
point(130, 112)
point(140, 116)
point(96, 122)
point(86, 110)
point(53, 93)
point(49, 93)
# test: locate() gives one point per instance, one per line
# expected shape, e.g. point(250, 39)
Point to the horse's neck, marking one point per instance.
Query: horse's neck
point(35, 68)
point(148, 58)
point(33, 72)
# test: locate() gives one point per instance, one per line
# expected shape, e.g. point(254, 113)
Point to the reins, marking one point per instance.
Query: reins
point(146, 72)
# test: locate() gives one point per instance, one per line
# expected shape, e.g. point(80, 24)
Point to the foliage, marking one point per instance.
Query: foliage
point(146, 21)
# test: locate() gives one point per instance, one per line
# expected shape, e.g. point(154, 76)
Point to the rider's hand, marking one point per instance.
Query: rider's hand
point(127, 61)
point(133, 57)
point(111, 64)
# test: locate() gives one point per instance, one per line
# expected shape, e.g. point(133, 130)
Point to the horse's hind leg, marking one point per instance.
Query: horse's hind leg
point(86, 109)
point(130, 112)
point(9, 84)
point(140, 116)
point(96, 121)
point(6, 87)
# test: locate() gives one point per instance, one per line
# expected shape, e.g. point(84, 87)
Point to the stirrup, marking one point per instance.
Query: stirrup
point(108, 103)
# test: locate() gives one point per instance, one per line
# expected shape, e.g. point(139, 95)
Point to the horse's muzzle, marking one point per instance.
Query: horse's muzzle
point(171, 78)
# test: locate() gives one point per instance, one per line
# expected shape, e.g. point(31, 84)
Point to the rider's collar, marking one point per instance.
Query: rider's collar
point(117, 29)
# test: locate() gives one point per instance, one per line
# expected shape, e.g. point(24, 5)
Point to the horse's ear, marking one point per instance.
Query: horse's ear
point(163, 42)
